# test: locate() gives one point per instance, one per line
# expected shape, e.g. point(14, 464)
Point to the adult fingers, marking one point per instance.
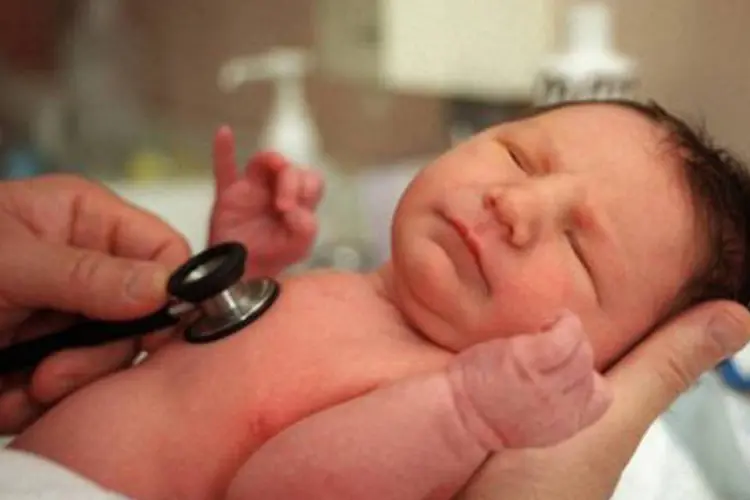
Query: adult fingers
point(62, 278)
point(67, 371)
point(113, 226)
point(105, 222)
point(17, 410)
point(76, 212)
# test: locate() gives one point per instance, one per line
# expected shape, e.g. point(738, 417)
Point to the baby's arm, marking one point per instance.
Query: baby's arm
point(423, 438)
point(270, 207)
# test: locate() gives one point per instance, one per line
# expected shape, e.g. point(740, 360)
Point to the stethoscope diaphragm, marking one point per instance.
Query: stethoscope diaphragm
point(207, 295)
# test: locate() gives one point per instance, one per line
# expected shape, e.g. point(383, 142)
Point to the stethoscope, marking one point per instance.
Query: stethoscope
point(207, 295)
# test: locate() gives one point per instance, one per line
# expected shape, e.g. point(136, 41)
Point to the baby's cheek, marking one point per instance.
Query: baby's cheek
point(529, 300)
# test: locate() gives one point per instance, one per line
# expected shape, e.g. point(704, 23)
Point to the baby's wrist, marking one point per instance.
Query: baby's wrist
point(476, 424)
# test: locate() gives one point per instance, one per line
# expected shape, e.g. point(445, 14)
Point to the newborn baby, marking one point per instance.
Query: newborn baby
point(400, 383)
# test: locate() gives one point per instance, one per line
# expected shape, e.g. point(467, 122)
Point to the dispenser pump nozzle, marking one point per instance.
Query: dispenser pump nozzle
point(590, 67)
point(290, 128)
point(278, 63)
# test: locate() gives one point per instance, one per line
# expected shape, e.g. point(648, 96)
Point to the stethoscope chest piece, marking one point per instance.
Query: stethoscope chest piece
point(209, 302)
point(222, 304)
point(232, 310)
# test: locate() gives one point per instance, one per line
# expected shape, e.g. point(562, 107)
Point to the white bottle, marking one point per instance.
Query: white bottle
point(97, 59)
point(292, 131)
point(590, 68)
point(290, 128)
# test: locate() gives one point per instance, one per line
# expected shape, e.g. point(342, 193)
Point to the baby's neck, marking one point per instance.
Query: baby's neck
point(370, 292)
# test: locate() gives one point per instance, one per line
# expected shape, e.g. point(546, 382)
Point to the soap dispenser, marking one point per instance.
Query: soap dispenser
point(291, 130)
point(590, 68)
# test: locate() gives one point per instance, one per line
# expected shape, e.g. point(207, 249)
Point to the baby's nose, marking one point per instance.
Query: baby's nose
point(522, 212)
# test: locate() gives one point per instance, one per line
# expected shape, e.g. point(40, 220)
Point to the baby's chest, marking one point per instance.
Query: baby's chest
point(263, 381)
point(304, 377)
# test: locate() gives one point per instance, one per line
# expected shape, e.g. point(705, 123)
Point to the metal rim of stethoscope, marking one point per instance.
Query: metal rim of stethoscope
point(211, 283)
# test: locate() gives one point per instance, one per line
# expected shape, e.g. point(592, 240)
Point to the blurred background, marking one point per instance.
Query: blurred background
point(130, 92)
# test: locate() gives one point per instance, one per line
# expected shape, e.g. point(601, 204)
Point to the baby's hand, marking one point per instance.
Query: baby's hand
point(270, 209)
point(529, 391)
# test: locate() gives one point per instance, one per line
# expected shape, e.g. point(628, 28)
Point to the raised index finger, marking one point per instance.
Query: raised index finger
point(224, 163)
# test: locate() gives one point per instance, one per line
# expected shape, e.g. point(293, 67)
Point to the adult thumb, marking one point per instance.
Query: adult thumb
point(650, 378)
point(87, 282)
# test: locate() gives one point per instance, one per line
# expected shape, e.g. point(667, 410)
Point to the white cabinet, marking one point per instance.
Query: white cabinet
point(489, 48)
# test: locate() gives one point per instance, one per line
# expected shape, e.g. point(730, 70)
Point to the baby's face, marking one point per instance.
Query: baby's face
point(583, 208)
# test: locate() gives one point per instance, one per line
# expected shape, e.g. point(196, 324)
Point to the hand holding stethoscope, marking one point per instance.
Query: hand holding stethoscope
point(208, 296)
point(70, 246)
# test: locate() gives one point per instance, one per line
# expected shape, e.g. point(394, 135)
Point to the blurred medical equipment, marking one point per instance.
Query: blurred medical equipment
point(735, 371)
point(710, 424)
point(102, 119)
point(590, 68)
point(484, 50)
point(290, 127)
point(208, 296)
point(292, 131)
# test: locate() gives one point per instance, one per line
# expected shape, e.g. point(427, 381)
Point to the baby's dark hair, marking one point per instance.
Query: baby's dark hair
point(720, 187)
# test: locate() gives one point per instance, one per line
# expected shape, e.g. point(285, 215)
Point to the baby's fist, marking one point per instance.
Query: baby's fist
point(529, 390)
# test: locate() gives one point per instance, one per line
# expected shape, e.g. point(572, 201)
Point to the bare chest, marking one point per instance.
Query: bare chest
point(318, 346)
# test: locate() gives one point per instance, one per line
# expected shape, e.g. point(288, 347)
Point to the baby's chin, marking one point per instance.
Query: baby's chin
point(452, 308)
point(455, 326)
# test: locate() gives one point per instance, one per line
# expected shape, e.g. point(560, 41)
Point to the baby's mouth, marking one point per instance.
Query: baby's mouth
point(469, 238)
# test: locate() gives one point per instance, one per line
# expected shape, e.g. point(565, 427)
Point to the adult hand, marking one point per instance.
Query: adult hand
point(644, 384)
point(70, 247)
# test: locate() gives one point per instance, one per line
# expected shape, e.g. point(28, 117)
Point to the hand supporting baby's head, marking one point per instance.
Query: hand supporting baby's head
point(596, 208)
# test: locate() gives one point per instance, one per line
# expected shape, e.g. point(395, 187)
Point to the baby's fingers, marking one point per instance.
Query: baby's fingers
point(311, 189)
point(301, 222)
point(265, 165)
point(530, 390)
point(289, 183)
point(297, 187)
point(225, 168)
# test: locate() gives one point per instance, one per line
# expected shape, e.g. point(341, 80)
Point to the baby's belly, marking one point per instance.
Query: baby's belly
point(240, 394)
point(182, 424)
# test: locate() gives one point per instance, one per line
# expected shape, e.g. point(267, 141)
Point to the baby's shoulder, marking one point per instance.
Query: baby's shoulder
point(341, 300)
point(321, 286)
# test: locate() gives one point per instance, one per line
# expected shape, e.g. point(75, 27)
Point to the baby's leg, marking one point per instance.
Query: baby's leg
point(425, 436)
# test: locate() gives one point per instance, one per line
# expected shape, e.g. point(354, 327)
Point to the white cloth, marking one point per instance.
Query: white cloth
point(698, 450)
point(24, 476)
